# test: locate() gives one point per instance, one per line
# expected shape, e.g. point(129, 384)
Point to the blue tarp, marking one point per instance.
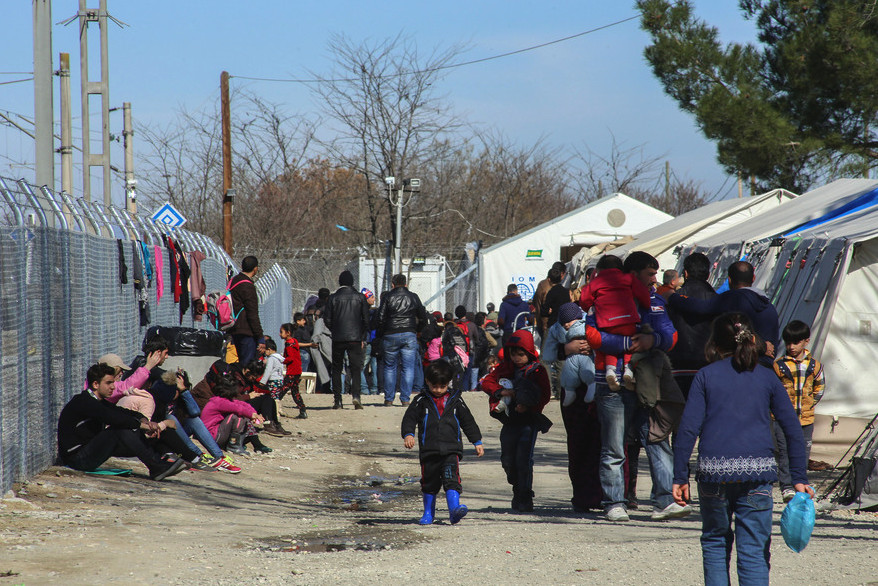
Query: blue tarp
point(863, 202)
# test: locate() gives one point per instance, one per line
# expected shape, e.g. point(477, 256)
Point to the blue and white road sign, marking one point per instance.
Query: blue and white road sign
point(168, 214)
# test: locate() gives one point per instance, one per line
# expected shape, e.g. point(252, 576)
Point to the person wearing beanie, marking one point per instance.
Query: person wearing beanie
point(346, 316)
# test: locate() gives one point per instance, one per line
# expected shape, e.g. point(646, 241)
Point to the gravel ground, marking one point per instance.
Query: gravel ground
point(338, 503)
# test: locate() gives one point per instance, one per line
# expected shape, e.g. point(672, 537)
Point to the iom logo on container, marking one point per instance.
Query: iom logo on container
point(168, 214)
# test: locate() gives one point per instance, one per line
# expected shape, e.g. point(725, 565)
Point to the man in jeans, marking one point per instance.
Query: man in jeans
point(247, 331)
point(346, 315)
point(400, 316)
point(619, 410)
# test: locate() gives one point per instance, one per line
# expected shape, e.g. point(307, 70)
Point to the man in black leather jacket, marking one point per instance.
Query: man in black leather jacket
point(693, 330)
point(346, 315)
point(400, 316)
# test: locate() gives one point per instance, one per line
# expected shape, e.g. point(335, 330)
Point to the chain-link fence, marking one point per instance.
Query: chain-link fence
point(67, 296)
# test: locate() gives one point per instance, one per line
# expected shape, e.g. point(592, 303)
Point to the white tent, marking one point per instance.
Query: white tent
point(525, 259)
point(697, 225)
point(730, 245)
point(817, 259)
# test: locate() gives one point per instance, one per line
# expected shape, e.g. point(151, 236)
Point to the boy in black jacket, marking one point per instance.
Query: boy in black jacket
point(439, 418)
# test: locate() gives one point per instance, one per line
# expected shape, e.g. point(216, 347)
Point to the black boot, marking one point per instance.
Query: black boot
point(337, 404)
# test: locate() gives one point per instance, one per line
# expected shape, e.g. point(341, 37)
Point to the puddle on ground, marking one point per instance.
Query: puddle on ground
point(356, 540)
point(370, 492)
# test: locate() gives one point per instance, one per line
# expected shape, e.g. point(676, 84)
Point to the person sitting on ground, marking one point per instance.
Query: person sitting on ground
point(232, 421)
point(91, 430)
point(174, 401)
point(257, 395)
point(137, 377)
point(616, 297)
point(439, 417)
point(155, 352)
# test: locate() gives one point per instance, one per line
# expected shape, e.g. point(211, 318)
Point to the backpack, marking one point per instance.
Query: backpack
point(220, 309)
point(455, 347)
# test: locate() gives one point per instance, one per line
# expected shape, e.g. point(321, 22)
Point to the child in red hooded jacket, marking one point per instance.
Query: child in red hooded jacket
point(521, 377)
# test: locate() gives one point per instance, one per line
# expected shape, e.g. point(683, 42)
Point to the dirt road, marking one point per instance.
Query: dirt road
point(338, 503)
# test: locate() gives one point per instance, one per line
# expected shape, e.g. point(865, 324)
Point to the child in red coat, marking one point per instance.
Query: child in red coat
point(616, 297)
point(293, 362)
point(521, 377)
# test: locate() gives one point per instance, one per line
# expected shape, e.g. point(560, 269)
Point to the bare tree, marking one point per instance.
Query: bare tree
point(631, 171)
point(387, 117)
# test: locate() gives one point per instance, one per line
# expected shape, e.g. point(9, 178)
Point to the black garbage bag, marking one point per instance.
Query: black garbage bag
point(188, 341)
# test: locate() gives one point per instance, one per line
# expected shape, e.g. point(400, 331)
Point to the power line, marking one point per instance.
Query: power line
point(16, 81)
point(451, 65)
point(16, 72)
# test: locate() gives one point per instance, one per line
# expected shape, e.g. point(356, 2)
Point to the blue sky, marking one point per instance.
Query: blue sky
point(573, 94)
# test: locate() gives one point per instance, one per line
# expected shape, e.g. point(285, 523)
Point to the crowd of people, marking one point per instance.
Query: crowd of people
point(634, 365)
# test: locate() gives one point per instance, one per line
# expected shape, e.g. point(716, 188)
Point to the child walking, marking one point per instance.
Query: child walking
point(616, 297)
point(439, 417)
point(729, 408)
point(802, 377)
point(521, 370)
point(293, 362)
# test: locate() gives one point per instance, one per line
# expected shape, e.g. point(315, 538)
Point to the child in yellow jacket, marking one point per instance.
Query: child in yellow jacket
point(802, 376)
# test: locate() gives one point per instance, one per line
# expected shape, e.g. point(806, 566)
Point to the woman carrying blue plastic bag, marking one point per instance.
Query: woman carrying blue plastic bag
point(729, 408)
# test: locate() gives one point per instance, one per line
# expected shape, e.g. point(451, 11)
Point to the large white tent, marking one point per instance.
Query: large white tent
point(817, 259)
point(700, 224)
point(525, 258)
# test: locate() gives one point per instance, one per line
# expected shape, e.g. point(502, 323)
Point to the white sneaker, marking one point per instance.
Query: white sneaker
point(672, 511)
point(788, 494)
point(613, 380)
point(628, 379)
point(617, 514)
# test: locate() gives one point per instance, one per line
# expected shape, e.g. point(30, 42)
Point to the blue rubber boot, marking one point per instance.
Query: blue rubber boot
point(456, 511)
point(429, 509)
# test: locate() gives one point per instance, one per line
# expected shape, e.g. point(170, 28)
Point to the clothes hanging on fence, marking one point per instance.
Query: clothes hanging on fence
point(147, 263)
point(123, 268)
point(183, 274)
point(140, 284)
point(159, 277)
point(173, 269)
point(197, 286)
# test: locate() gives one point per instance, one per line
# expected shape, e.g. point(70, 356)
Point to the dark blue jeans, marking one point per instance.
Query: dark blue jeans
point(517, 456)
point(246, 348)
point(750, 504)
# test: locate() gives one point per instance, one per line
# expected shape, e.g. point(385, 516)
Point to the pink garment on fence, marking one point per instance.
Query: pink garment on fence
point(159, 277)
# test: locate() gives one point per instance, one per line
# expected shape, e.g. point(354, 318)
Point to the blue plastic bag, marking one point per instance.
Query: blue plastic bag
point(797, 521)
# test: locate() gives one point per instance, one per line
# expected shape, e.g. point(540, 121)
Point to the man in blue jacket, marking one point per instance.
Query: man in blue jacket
point(510, 308)
point(742, 297)
point(619, 410)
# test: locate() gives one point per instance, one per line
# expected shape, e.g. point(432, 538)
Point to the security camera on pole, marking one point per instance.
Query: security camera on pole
point(410, 186)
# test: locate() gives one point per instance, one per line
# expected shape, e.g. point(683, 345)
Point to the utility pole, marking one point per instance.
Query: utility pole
point(228, 192)
point(667, 181)
point(130, 181)
point(66, 125)
point(88, 88)
point(397, 254)
point(43, 108)
point(740, 186)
